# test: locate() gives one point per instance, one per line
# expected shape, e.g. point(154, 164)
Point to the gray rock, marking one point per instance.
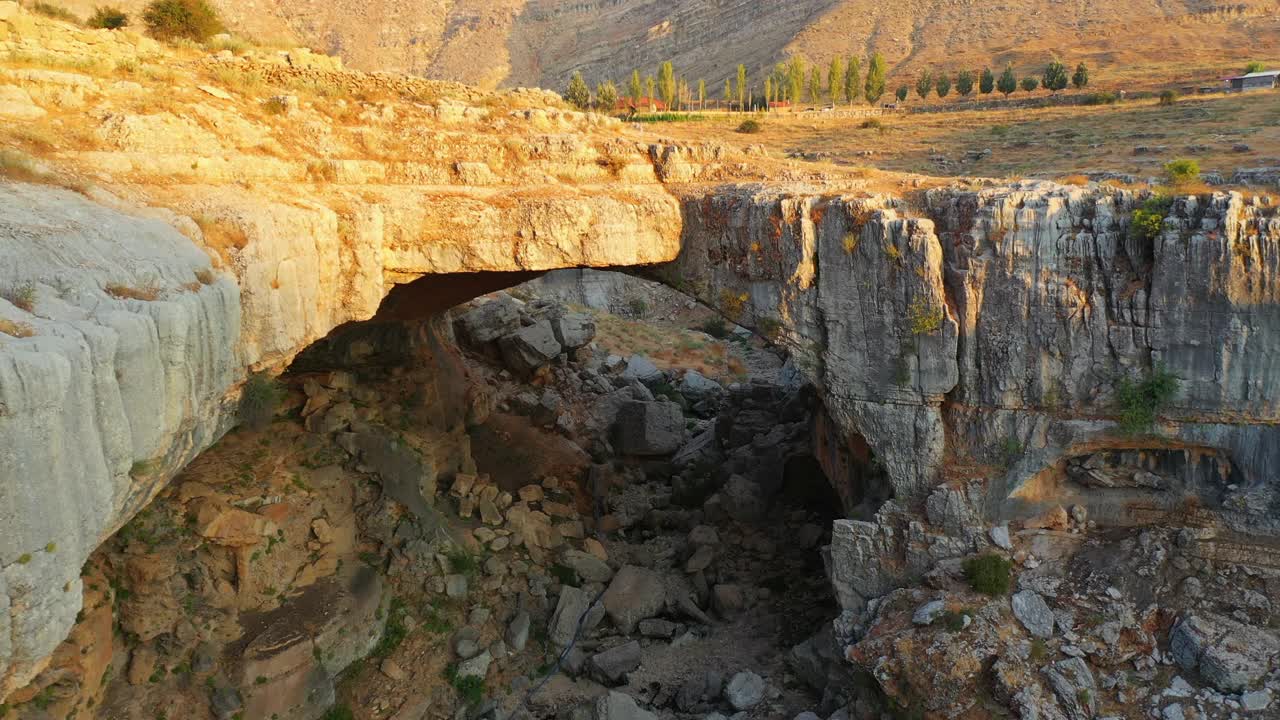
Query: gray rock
point(1000, 537)
point(635, 594)
point(1034, 614)
point(743, 500)
point(1256, 701)
point(529, 348)
point(518, 631)
point(1229, 655)
point(573, 330)
point(477, 666)
point(806, 715)
point(929, 612)
point(648, 428)
point(466, 642)
point(570, 607)
point(641, 368)
point(696, 387)
point(455, 586)
point(656, 628)
point(618, 706)
point(490, 320)
point(701, 452)
point(1172, 712)
point(611, 666)
point(698, 689)
point(588, 567)
point(1073, 684)
point(745, 691)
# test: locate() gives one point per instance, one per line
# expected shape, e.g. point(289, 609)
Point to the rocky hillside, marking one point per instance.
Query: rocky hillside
point(1141, 43)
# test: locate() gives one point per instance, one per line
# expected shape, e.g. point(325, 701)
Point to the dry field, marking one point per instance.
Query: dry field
point(1054, 142)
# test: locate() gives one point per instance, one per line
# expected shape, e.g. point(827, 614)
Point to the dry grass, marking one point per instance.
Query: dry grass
point(120, 291)
point(242, 80)
point(16, 329)
point(221, 236)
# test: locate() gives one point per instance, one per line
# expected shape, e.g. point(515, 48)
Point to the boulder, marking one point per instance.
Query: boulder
point(573, 330)
point(635, 594)
point(1034, 614)
point(617, 706)
point(697, 387)
point(530, 348)
point(517, 635)
point(745, 690)
point(1229, 655)
point(488, 321)
point(648, 428)
point(641, 368)
point(588, 567)
point(1073, 683)
point(702, 452)
point(570, 607)
point(477, 667)
point(611, 666)
point(743, 500)
point(929, 612)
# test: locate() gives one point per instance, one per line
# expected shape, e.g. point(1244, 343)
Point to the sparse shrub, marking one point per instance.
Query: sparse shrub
point(1181, 172)
point(395, 631)
point(1253, 67)
point(261, 397)
point(182, 19)
point(925, 317)
point(850, 242)
point(892, 252)
point(565, 575)
point(1168, 97)
point(1146, 224)
point(638, 307)
point(1030, 84)
point(1039, 651)
point(953, 621)
point(1141, 402)
point(463, 563)
point(56, 12)
point(108, 18)
point(988, 574)
point(22, 296)
point(872, 124)
point(277, 105)
point(716, 328)
point(750, 127)
point(237, 79)
point(470, 689)
point(120, 291)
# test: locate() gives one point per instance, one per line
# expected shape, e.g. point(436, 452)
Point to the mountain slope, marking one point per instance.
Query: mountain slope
point(1133, 43)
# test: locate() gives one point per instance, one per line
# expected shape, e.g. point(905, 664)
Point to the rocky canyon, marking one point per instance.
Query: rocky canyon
point(325, 392)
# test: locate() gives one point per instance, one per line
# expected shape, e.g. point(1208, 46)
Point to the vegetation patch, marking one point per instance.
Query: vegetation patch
point(120, 291)
point(57, 12)
point(341, 711)
point(108, 18)
point(925, 316)
point(16, 329)
point(1148, 220)
point(261, 397)
point(988, 574)
point(470, 688)
point(463, 563)
point(22, 296)
point(716, 327)
point(395, 631)
point(182, 20)
point(750, 127)
point(1182, 172)
point(1141, 402)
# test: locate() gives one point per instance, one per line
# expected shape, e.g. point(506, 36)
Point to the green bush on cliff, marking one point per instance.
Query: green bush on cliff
point(108, 18)
point(1141, 402)
point(1148, 220)
point(988, 574)
point(261, 397)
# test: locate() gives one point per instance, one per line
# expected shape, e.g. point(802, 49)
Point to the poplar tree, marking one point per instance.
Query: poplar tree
point(650, 86)
point(1081, 78)
point(853, 79)
point(667, 84)
point(702, 94)
point(795, 80)
point(635, 88)
point(768, 91)
point(875, 79)
point(815, 85)
point(835, 79)
point(742, 87)
point(728, 93)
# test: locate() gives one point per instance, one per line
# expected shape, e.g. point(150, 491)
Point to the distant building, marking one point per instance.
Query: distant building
point(1255, 81)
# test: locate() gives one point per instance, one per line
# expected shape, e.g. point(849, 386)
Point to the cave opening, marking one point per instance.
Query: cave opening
point(433, 475)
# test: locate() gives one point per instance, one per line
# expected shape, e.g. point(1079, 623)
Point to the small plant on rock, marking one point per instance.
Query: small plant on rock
point(988, 574)
point(470, 688)
point(108, 18)
point(22, 296)
point(926, 317)
point(1141, 402)
point(261, 397)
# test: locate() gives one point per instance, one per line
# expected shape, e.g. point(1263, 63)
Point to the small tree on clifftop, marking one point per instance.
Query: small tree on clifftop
point(875, 79)
point(987, 83)
point(578, 94)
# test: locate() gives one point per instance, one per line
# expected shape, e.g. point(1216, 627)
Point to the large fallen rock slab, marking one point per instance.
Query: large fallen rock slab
point(648, 428)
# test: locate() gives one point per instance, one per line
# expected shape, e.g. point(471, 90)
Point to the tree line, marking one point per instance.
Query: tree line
point(790, 82)
point(793, 82)
point(1054, 78)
